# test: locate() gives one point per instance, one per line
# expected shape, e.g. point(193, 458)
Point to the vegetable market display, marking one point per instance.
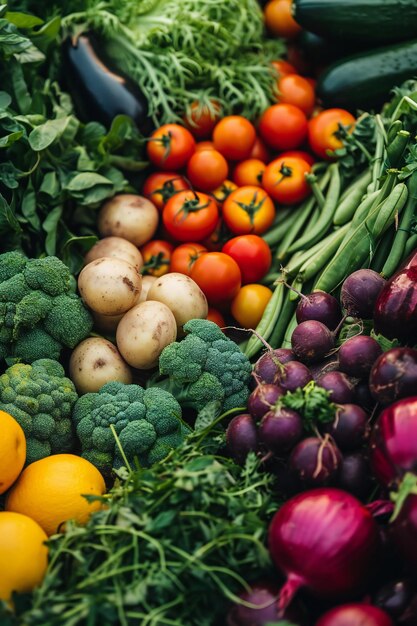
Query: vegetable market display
point(208, 327)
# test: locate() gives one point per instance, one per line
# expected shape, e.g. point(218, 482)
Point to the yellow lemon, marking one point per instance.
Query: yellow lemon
point(23, 554)
point(12, 450)
point(51, 490)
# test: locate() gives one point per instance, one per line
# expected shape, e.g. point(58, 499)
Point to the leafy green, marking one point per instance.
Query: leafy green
point(313, 404)
point(179, 51)
point(174, 546)
point(55, 171)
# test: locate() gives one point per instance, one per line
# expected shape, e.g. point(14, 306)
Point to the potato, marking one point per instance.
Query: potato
point(109, 286)
point(132, 217)
point(144, 332)
point(106, 323)
point(118, 248)
point(182, 295)
point(147, 282)
point(95, 362)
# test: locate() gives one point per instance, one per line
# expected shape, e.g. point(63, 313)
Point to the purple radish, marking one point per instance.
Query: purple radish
point(350, 429)
point(242, 437)
point(312, 341)
point(360, 291)
point(279, 430)
point(266, 367)
point(263, 398)
point(316, 462)
point(357, 356)
point(342, 390)
point(319, 306)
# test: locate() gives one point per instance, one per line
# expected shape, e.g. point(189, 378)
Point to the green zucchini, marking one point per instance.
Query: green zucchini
point(364, 80)
point(370, 21)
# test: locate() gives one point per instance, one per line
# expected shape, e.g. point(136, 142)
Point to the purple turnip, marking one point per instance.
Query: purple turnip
point(279, 430)
point(312, 341)
point(262, 399)
point(342, 390)
point(267, 366)
point(360, 291)
point(350, 429)
point(357, 356)
point(241, 437)
point(315, 462)
point(319, 306)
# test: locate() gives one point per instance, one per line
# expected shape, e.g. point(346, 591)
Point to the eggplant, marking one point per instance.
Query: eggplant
point(395, 314)
point(99, 94)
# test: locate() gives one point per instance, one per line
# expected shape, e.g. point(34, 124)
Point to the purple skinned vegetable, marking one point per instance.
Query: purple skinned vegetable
point(316, 462)
point(263, 398)
point(279, 430)
point(394, 375)
point(319, 306)
point(360, 291)
point(357, 356)
point(342, 390)
point(269, 364)
point(350, 429)
point(241, 437)
point(312, 341)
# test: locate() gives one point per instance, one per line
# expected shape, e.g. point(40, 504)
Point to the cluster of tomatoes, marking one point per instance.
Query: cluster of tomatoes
point(219, 184)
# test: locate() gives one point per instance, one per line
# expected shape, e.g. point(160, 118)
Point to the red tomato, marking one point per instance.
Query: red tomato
point(299, 154)
point(249, 304)
point(323, 131)
point(157, 257)
point(223, 191)
point(160, 186)
point(207, 169)
point(202, 118)
point(296, 90)
point(215, 316)
point(248, 210)
point(279, 20)
point(204, 145)
point(234, 137)
point(283, 126)
point(260, 151)
point(218, 276)
point(170, 146)
point(190, 216)
point(283, 67)
point(249, 172)
point(184, 257)
point(284, 180)
point(252, 254)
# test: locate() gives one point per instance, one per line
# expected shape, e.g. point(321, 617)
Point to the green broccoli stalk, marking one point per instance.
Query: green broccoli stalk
point(147, 422)
point(40, 398)
point(39, 313)
point(205, 366)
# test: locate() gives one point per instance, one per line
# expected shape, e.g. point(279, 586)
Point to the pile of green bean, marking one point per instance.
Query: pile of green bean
point(342, 227)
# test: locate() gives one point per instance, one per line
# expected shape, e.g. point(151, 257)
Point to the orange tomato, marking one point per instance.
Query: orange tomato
point(190, 216)
point(207, 169)
point(249, 209)
point(202, 118)
point(223, 191)
point(249, 304)
point(260, 151)
point(249, 172)
point(218, 276)
point(234, 137)
point(204, 145)
point(170, 147)
point(323, 131)
point(157, 257)
point(284, 180)
point(296, 90)
point(283, 126)
point(301, 154)
point(215, 316)
point(184, 257)
point(279, 20)
point(160, 186)
point(283, 67)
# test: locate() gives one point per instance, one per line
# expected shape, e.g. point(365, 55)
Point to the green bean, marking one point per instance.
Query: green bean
point(393, 130)
point(376, 167)
point(382, 250)
point(279, 230)
point(299, 259)
point(349, 202)
point(402, 235)
point(410, 247)
point(328, 248)
point(293, 229)
point(268, 321)
point(315, 188)
point(364, 208)
point(316, 233)
point(288, 333)
point(287, 312)
point(357, 244)
point(397, 147)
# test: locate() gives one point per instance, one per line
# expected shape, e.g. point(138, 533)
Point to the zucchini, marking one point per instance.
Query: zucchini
point(369, 21)
point(364, 80)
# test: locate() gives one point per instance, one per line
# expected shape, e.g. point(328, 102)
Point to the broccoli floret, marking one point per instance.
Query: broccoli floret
point(40, 398)
point(39, 313)
point(147, 422)
point(205, 366)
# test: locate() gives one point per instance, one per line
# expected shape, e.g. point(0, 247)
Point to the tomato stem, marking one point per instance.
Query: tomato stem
point(253, 207)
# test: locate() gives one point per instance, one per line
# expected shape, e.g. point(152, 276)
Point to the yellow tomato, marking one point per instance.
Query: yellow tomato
point(249, 304)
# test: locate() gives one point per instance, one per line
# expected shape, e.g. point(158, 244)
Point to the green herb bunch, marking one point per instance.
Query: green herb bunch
point(174, 546)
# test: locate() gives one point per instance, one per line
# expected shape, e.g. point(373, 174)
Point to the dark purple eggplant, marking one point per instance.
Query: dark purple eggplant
point(99, 94)
point(395, 314)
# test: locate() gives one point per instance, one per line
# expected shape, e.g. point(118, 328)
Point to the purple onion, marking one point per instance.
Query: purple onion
point(360, 291)
point(263, 398)
point(342, 390)
point(394, 375)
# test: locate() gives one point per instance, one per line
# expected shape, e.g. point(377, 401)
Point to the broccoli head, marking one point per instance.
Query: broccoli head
point(40, 398)
point(206, 365)
point(147, 422)
point(39, 313)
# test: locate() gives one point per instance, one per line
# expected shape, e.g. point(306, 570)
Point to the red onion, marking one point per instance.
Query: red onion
point(360, 291)
point(404, 530)
point(394, 375)
point(394, 442)
point(324, 540)
point(395, 314)
point(355, 615)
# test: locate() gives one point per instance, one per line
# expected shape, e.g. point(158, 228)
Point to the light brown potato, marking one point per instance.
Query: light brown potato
point(182, 295)
point(106, 323)
point(147, 282)
point(132, 217)
point(109, 286)
point(95, 362)
point(144, 332)
point(118, 248)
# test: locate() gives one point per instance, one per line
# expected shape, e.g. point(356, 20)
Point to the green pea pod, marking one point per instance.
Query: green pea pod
point(397, 147)
point(410, 247)
point(287, 311)
point(329, 247)
point(289, 331)
point(299, 259)
point(364, 208)
point(359, 243)
point(267, 323)
point(349, 203)
point(326, 217)
point(393, 130)
point(278, 231)
point(294, 227)
point(382, 250)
